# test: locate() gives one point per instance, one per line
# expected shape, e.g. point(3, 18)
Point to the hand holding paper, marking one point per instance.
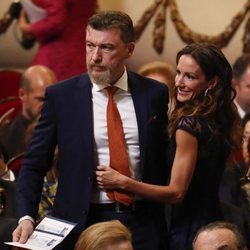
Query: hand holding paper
point(34, 12)
point(23, 231)
point(50, 232)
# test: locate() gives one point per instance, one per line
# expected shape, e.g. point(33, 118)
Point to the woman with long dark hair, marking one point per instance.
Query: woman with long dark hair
point(201, 132)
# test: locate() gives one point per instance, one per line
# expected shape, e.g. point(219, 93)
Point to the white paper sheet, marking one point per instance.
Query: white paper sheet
point(48, 233)
point(34, 12)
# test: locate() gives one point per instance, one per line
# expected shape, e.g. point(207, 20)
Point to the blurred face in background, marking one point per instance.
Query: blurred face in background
point(32, 94)
point(242, 88)
point(158, 77)
point(33, 101)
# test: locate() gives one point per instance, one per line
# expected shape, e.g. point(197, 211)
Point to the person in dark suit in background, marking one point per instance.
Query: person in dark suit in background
point(74, 118)
point(233, 201)
point(33, 83)
point(241, 83)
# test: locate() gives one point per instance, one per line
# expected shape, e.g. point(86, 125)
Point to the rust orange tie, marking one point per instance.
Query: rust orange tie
point(117, 147)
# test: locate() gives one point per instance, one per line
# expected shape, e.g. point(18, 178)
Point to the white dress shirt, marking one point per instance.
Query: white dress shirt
point(241, 112)
point(125, 105)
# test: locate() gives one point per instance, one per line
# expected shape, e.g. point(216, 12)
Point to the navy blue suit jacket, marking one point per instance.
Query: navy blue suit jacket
point(67, 121)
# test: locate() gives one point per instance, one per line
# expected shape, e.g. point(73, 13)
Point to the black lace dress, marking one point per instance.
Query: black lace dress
point(201, 203)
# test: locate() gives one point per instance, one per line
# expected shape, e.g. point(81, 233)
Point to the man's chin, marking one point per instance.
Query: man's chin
point(33, 118)
point(99, 78)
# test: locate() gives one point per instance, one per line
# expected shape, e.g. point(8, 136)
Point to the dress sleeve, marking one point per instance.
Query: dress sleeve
point(192, 125)
point(53, 24)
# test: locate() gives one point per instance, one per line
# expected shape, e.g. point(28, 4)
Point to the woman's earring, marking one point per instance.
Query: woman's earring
point(206, 91)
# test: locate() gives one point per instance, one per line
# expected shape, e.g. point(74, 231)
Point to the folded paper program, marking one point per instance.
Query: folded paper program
point(49, 232)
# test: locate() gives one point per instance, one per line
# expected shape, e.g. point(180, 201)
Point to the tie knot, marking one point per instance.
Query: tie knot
point(111, 90)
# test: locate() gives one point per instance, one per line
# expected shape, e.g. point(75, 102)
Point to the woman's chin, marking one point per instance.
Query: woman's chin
point(183, 98)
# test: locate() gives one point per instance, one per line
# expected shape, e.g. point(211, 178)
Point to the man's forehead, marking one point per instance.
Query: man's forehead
point(103, 36)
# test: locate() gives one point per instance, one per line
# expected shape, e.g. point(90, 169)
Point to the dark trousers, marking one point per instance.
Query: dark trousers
point(147, 230)
point(147, 226)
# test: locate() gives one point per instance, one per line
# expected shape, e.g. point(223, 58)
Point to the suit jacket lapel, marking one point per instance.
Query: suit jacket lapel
point(140, 99)
point(85, 114)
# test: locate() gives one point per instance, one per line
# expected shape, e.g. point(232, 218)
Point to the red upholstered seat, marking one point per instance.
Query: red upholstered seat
point(14, 163)
point(9, 107)
point(9, 83)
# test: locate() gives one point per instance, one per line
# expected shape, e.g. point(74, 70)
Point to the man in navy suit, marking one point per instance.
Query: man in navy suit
point(74, 119)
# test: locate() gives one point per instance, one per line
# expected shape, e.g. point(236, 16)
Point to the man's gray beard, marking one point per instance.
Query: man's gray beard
point(102, 78)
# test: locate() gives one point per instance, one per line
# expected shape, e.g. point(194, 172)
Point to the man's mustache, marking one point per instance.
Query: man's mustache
point(97, 65)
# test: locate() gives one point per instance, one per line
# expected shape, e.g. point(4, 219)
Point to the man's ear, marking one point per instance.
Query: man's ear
point(21, 94)
point(234, 83)
point(131, 47)
point(213, 82)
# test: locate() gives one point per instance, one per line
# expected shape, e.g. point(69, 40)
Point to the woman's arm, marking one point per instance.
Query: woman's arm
point(49, 27)
point(181, 174)
point(24, 25)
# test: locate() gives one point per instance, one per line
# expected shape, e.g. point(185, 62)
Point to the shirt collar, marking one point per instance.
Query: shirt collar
point(122, 83)
point(240, 110)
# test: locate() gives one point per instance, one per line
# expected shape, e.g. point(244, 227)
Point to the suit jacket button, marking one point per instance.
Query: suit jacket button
point(84, 211)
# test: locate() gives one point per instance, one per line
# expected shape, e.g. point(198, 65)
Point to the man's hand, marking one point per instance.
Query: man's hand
point(23, 231)
point(108, 178)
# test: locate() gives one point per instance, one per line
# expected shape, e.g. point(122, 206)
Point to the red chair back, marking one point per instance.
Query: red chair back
point(9, 83)
point(10, 107)
point(14, 164)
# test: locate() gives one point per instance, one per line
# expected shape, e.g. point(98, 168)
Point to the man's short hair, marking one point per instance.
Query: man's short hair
point(105, 20)
point(240, 66)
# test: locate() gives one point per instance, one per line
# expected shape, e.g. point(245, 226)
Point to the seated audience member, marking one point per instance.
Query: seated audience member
point(234, 200)
point(31, 92)
point(241, 80)
point(110, 235)
point(219, 235)
point(162, 72)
